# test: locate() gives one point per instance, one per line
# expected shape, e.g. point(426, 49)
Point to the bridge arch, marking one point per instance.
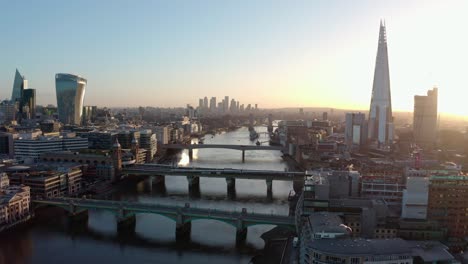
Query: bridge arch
point(192, 219)
point(168, 216)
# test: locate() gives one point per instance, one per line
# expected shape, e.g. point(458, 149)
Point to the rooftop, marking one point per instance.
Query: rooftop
point(363, 247)
point(327, 222)
point(430, 251)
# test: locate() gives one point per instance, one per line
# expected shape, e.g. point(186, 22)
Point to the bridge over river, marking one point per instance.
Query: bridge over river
point(183, 216)
point(194, 173)
point(242, 148)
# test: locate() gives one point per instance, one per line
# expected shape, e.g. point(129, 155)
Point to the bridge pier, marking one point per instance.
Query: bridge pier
point(159, 185)
point(231, 187)
point(159, 179)
point(269, 183)
point(231, 184)
point(298, 185)
point(126, 224)
point(190, 154)
point(78, 217)
point(241, 231)
point(183, 231)
point(76, 214)
point(183, 228)
point(193, 185)
point(241, 235)
point(243, 155)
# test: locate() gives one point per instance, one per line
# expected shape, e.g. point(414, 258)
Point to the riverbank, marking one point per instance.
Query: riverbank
point(10, 227)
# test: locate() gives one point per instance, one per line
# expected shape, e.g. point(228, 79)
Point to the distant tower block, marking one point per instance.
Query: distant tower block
point(425, 119)
point(380, 114)
point(325, 116)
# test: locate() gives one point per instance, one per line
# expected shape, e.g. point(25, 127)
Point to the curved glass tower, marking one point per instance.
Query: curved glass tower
point(19, 84)
point(70, 90)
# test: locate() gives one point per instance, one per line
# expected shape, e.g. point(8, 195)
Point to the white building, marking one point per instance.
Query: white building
point(415, 198)
point(148, 141)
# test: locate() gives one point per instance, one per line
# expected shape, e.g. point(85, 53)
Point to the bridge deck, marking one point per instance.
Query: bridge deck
point(136, 207)
point(155, 169)
point(222, 146)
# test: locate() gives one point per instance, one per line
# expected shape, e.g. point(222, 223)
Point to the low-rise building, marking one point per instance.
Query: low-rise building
point(29, 150)
point(357, 251)
point(14, 203)
point(48, 182)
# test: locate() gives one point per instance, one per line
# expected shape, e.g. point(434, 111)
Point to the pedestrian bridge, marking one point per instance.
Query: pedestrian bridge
point(242, 148)
point(183, 216)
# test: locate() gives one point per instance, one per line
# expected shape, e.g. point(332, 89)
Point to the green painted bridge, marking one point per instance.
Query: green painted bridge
point(183, 216)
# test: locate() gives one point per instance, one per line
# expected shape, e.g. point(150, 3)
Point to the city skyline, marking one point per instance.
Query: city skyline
point(299, 59)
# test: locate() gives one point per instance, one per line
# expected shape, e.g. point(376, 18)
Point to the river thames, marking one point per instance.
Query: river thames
point(48, 239)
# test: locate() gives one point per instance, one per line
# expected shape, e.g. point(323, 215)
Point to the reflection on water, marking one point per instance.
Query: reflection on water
point(154, 238)
point(184, 159)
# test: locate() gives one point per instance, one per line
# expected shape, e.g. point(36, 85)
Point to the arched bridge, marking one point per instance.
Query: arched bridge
point(242, 148)
point(183, 216)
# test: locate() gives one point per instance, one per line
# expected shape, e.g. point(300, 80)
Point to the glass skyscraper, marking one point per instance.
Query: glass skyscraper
point(70, 90)
point(19, 84)
point(380, 114)
point(28, 99)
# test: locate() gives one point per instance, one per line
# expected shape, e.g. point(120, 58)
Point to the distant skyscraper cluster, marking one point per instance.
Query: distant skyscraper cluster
point(224, 107)
point(23, 98)
point(380, 115)
point(70, 91)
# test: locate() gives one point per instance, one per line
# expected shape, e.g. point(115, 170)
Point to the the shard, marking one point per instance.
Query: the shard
point(380, 114)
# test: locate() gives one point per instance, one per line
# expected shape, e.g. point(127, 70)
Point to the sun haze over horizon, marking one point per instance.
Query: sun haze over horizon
point(273, 53)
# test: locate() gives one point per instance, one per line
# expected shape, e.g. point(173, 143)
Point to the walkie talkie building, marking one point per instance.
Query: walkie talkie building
point(70, 90)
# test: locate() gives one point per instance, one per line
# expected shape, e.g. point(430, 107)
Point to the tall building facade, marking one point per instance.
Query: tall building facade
point(380, 114)
point(19, 84)
point(226, 104)
point(70, 90)
point(28, 103)
point(355, 130)
point(425, 119)
point(205, 102)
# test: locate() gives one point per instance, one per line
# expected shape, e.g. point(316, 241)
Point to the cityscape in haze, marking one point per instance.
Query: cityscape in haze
point(233, 132)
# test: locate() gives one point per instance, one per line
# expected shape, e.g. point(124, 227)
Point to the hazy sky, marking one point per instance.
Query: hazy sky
point(274, 53)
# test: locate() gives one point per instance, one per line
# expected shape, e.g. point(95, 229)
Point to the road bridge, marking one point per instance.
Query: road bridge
point(194, 173)
point(183, 216)
point(242, 148)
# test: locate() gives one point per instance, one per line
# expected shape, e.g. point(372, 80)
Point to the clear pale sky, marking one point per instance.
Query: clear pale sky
point(274, 53)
